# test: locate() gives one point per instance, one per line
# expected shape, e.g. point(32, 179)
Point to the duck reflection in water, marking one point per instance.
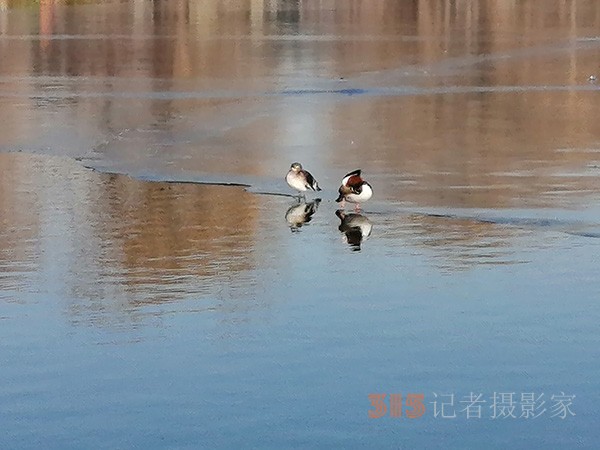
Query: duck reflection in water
point(355, 227)
point(300, 213)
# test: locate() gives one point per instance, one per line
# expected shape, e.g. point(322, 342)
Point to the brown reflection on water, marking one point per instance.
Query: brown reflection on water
point(478, 150)
point(439, 148)
point(199, 231)
point(179, 241)
point(109, 244)
point(18, 227)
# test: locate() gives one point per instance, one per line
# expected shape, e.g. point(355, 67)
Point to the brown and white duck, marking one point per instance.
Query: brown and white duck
point(354, 189)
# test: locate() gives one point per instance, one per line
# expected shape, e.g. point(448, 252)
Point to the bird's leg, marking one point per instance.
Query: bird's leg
point(357, 207)
point(343, 204)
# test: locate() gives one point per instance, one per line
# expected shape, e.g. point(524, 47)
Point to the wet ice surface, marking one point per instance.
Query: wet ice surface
point(158, 286)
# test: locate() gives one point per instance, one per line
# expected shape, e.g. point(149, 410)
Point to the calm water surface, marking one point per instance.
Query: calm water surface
point(157, 289)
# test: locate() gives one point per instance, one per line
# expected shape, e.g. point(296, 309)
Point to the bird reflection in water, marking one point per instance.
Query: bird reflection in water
point(301, 213)
point(355, 227)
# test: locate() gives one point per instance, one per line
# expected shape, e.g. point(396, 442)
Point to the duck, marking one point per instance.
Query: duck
point(301, 180)
point(354, 189)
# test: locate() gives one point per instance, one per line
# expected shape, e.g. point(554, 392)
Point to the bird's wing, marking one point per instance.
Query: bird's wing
point(310, 180)
point(355, 173)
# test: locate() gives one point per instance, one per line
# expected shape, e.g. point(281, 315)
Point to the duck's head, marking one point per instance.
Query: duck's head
point(296, 167)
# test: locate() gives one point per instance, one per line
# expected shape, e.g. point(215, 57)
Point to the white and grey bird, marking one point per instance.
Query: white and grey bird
point(301, 180)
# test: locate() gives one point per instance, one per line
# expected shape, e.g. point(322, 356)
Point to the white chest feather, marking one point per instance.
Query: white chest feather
point(365, 194)
point(296, 181)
